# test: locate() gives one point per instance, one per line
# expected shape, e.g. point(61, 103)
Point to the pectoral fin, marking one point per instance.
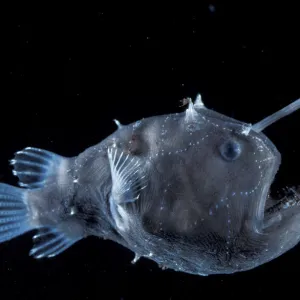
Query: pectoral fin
point(128, 179)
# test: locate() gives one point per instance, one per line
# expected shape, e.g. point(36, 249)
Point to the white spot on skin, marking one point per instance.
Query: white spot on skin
point(72, 211)
point(211, 8)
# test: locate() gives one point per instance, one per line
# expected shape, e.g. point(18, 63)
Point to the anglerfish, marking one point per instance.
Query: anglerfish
point(189, 191)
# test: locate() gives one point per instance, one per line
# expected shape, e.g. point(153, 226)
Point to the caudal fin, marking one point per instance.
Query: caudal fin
point(14, 215)
point(14, 221)
point(36, 168)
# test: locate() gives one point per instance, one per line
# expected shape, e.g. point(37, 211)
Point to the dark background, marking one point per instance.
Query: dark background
point(70, 72)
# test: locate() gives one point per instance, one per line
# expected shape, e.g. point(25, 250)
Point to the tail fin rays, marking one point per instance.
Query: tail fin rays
point(14, 215)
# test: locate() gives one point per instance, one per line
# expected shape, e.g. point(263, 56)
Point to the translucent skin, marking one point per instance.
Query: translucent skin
point(199, 212)
point(188, 191)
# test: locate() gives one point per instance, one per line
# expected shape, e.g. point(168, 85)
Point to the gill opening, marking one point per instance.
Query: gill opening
point(260, 126)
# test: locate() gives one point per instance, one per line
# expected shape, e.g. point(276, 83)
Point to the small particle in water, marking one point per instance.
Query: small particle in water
point(184, 101)
point(211, 8)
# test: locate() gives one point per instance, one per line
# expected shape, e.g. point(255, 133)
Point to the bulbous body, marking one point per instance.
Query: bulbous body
point(188, 190)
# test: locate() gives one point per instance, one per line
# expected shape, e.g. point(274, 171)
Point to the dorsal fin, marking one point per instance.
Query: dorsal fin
point(36, 167)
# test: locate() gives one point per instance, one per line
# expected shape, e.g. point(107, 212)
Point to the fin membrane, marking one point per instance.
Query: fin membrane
point(35, 167)
point(49, 242)
point(127, 176)
point(13, 212)
point(127, 182)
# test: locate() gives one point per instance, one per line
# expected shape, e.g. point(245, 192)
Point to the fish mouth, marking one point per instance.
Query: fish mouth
point(279, 198)
point(289, 196)
point(266, 122)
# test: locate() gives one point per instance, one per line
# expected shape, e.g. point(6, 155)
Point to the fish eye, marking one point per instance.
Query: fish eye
point(230, 150)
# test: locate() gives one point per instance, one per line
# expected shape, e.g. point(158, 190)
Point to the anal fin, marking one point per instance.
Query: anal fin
point(36, 167)
point(49, 242)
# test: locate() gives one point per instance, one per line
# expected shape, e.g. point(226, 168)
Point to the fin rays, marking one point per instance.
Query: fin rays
point(13, 212)
point(126, 178)
point(34, 166)
point(48, 243)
